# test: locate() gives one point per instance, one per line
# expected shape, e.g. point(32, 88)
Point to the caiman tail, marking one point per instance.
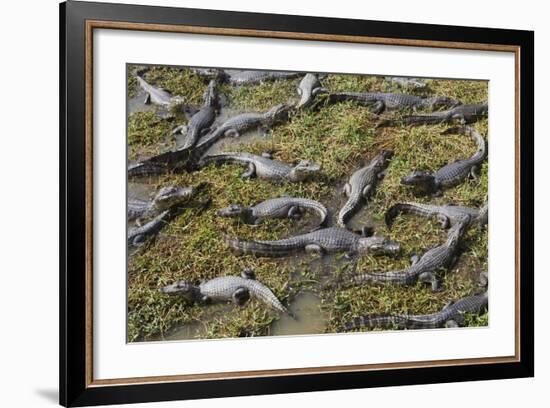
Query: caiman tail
point(348, 209)
point(319, 209)
point(408, 208)
point(270, 249)
point(375, 321)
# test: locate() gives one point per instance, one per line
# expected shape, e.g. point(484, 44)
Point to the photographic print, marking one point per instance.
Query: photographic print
point(266, 203)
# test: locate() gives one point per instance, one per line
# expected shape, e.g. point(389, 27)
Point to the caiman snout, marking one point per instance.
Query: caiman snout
point(231, 211)
point(178, 288)
point(377, 245)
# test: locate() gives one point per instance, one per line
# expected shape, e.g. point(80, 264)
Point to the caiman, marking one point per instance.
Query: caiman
point(423, 268)
point(323, 241)
point(166, 198)
point(362, 184)
point(158, 96)
point(452, 174)
point(282, 207)
point(200, 122)
point(462, 114)
point(244, 122)
point(405, 82)
point(452, 315)
point(239, 289)
point(447, 215)
point(381, 101)
point(266, 168)
point(308, 89)
point(257, 77)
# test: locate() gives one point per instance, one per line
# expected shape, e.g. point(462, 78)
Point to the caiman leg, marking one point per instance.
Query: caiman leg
point(295, 212)
point(378, 107)
point(251, 172)
point(451, 324)
point(366, 191)
point(444, 221)
point(475, 172)
point(147, 100)
point(241, 296)
point(314, 249)
point(414, 258)
point(429, 277)
point(232, 133)
point(346, 190)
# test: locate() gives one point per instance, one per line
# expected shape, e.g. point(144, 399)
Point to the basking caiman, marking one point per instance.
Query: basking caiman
point(327, 240)
point(257, 77)
point(362, 184)
point(423, 268)
point(447, 215)
point(382, 101)
point(282, 207)
point(308, 89)
point(243, 122)
point(452, 174)
point(158, 96)
point(167, 197)
point(404, 82)
point(200, 122)
point(266, 168)
point(462, 114)
point(239, 289)
point(452, 315)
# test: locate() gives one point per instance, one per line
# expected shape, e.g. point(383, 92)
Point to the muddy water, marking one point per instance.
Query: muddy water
point(308, 317)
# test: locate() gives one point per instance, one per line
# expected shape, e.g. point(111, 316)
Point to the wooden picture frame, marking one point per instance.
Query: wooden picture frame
point(78, 20)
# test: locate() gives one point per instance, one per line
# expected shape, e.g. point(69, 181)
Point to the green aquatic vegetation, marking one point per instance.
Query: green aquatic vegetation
point(341, 138)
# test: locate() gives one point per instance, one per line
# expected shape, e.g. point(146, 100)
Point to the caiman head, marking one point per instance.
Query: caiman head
point(377, 245)
point(437, 102)
point(185, 289)
point(235, 210)
point(421, 179)
point(170, 196)
point(278, 112)
point(303, 170)
point(382, 159)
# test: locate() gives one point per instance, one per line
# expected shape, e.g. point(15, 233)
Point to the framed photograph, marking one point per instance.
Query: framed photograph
point(256, 204)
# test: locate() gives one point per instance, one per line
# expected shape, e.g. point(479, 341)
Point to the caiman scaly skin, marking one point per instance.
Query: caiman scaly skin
point(452, 315)
point(156, 95)
point(166, 198)
point(266, 168)
point(200, 122)
point(452, 174)
point(238, 289)
point(283, 207)
point(138, 236)
point(308, 89)
point(405, 82)
point(323, 241)
point(382, 101)
point(257, 77)
point(447, 215)
point(462, 114)
point(362, 185)
point(422, 269)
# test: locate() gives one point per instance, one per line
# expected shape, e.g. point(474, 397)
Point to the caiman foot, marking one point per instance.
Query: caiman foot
point(241, 296)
